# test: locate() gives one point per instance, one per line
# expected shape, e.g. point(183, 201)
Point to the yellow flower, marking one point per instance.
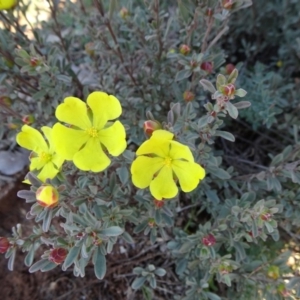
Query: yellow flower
point(7, 4)
point(91, 131)
point(47, 196)
point(159, 160)
point(43, 155)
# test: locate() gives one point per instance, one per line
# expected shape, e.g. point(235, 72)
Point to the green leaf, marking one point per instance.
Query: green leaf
point(242, 104)
point(221, 80)
point(99, 264)
point(232, 110)
point(160, 272)
point(240, 93)
point(123, 174)
point(183, 74)
point(72, 255)
point(138, 283)
point(112, 231)
point(127, 237)
point(212, 296)
point(38, 265)
point(207, 85)
point(225, 135)
point(30, 256)
point(233, 76)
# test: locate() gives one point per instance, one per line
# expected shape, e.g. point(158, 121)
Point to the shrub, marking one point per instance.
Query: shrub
point(161, 156)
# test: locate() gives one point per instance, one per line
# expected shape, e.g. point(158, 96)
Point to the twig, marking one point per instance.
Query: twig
point(160, 42)
point(218, 36)
point(57, 31)
point(107, 23)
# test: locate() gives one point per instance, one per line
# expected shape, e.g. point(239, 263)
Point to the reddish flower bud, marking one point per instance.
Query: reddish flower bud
point(188, 96)
point(209, 240)
point(266, 216)
point(209, 12)
point(229, 68)
point(213, 113)
point(150, 126)
point(184, 49)
point(28, 119)
point(228, 89)
point(4, 245)
point(159, 203)
point(228, 4)
point(194, 64)
point(47, 196)
point(207, 66)
point(34, 61)
point(58, 255)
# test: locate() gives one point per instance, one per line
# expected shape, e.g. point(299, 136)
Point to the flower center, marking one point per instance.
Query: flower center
point(93, 132)
point(168, 161)
point(46, 157)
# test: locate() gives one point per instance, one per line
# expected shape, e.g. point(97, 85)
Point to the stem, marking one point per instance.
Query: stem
point(107, 23)
point(57, 31)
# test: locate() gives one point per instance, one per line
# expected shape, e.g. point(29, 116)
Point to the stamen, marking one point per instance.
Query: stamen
point(93, 132)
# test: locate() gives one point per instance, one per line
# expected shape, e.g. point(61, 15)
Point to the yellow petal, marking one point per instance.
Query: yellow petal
point(143, 169)
point(31, 139)
point(57, 160)
point(188, 173)
point(113, 138)
point(155, 146)
point(91, 157)
point(36, 163)
point(48, 171)
point(163, 186)
point(68, 141)
point(104, 108)
point(73, 111)
point(179, 151)
point(162, 134)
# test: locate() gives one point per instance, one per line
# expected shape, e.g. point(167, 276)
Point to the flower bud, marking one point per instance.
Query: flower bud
point(273, 272)
point(58, 255)
point(184, 49)
point(150, 126)
point(266, 216)
point(229, 68)
point(209, 240)
point(124, 13)
point(228, 89)
point(5, 100)
point(188, 96)
point(12, 126)
point(47, 196)
point(209, 12)
point(159, 203)
point(90, 49)
point(34, 61)
point(4, 245)
point(227, 4)
point(151, 222)
point(28, 119)
point(207, 66)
